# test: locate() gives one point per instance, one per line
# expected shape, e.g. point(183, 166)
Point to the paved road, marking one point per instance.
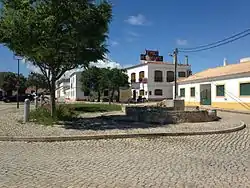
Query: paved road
point(195, 161)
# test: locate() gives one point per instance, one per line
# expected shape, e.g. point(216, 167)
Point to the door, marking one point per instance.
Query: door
point(205, 96)
point(134, 94)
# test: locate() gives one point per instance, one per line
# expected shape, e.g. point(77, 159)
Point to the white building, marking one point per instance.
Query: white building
point(62, 89)
point(69, 89)
point(75, 90)
point(226, 87)
point(154, 80)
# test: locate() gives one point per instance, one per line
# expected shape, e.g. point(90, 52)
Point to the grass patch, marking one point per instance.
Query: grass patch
point(90, 107)
point(42, 114)
point(68, 112)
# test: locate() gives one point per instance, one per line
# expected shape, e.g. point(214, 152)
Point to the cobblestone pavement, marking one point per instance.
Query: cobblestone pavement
point(10, 125)
point(194, 161)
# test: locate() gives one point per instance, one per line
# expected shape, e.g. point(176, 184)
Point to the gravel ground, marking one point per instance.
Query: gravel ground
point(221, 161)
point(94, 124)
point(185, 162)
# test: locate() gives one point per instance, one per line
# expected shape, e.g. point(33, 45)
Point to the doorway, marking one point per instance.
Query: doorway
point(205, 94)
point(134, 94)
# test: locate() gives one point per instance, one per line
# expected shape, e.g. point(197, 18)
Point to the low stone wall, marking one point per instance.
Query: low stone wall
point(161, 115)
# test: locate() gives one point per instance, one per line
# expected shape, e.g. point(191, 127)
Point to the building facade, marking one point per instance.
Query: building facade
point(153, 78)
point(75, 89)
point(69, 89)
point(62, 89)
point(226, 87)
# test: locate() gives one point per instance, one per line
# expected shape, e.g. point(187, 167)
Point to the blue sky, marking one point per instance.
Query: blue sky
point(142, 24)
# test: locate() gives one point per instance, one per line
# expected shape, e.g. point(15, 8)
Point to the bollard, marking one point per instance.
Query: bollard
point(41, 101)
point(36, 102)
point(26, 110)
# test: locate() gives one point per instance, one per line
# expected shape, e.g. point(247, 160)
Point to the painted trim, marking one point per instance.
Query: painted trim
point(243, 96)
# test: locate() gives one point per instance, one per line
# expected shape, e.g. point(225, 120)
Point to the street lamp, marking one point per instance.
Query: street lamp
point(18, 58)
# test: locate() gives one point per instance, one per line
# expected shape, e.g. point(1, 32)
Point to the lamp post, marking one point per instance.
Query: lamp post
point(18, 58)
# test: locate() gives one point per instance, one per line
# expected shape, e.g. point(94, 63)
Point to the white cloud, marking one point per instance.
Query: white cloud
point(134, 34)
point(137, 20)
point(113, 43)
point(105, 64)
point(181, 42)
point(30, 66)
point(100, 63)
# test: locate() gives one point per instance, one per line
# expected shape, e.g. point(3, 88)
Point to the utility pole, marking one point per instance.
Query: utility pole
point(18, 58)
point(18, 83)
point(175, 54)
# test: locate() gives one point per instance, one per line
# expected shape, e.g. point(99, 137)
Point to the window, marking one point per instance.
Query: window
point(158, 92)
point(192, 91)
point(158, 76)
point(141, 92)
point(133, 77)
point(141, 76)
point(181, 74)
point(220, 90)
point(182, 92)
point(170, 76)
point(245, 89)
point(150, 92)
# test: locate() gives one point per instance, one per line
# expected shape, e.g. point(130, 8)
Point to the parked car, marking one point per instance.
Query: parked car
point(21, 98)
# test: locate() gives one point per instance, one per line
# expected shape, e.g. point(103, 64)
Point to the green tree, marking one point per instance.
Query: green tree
point(10, 83)
point(100, 79)
point(118, 78)
point(37, 80)
point(93, 81)
point(56, 36)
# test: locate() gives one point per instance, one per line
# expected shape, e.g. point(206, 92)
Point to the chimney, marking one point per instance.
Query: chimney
point(186, 59)
point(225, 62)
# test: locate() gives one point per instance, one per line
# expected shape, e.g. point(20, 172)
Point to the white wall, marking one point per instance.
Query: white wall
point(137, 70)
point(72, 91)
point(149, 70)
point(231, 90)
point(167, 87)
point(79, 93)
point(60, 90)
point(188, 87)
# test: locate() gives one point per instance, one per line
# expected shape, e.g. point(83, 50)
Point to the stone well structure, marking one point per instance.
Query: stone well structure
point(164, 115)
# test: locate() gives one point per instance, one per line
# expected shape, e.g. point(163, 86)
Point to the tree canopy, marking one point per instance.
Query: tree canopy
point(37, 80)
point(101, 79)
point(56, 36)
point(9, 82)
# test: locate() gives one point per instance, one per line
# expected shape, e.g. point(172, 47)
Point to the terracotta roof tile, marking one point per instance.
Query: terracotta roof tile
point(231, 69)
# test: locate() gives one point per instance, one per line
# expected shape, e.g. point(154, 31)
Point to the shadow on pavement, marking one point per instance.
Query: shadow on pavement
point(106, 123)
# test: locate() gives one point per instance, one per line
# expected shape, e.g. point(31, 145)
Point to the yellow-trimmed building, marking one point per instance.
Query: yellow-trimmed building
point(226, 87)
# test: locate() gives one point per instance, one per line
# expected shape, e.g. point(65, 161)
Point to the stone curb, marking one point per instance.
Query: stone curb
point(117, 136)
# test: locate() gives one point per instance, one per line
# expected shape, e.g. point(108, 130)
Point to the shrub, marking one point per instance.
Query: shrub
point(42, 114)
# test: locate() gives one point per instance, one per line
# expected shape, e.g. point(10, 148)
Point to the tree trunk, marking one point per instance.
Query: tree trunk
point(52, 96)
point(36, 90)
point(112, 95)
point(99, 96)
point(118, 95)
point(109, 97)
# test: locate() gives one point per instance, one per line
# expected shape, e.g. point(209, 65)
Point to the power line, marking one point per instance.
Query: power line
point(198, 50)
point(214, 43)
